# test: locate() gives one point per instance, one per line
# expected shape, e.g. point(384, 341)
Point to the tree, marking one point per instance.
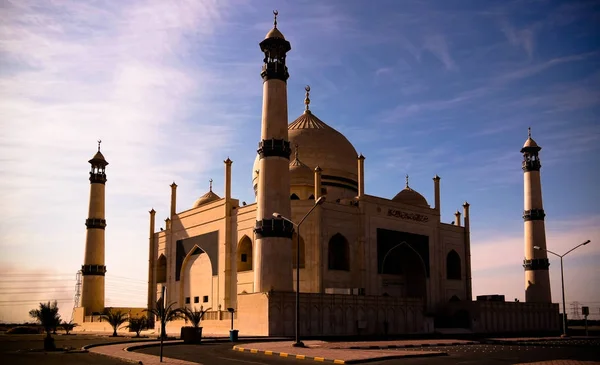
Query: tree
point(193, 315)
point(68, 326)
point(137, 325)
point(164, 315)
point(114, 318)
point(47, 315)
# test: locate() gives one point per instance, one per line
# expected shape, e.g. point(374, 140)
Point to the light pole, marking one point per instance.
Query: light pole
point(562, 279)
point(319, 201)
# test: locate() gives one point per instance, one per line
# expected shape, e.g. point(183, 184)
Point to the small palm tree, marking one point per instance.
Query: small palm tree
point(193, 315)
point(68, 326)
point(114, 318)
point(47, 315)
point(164, 315)
point(137, 325)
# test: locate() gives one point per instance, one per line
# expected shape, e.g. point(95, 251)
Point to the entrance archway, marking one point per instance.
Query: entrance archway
point(404, 272)
point(196, 288)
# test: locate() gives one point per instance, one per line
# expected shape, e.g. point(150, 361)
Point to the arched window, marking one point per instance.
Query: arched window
point(161, 269)
point(294, 197)
point(453, 266)
point(311, 197)
point(244, 254)
point(454, 299)
point(295, 250)
point(339, 253)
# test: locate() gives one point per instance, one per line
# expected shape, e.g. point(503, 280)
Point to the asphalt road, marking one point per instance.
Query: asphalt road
point(221, 353)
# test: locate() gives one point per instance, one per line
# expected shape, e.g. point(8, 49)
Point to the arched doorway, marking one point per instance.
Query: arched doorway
point(404, 272)
point(196, 280)
point(453, 267)
point(338, 253)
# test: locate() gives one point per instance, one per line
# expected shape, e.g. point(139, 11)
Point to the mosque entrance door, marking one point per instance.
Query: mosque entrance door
point(403, 263)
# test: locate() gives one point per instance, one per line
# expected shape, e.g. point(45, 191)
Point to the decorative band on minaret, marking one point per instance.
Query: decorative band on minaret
point(94, 269)
point(273, 254)
point(536, 264)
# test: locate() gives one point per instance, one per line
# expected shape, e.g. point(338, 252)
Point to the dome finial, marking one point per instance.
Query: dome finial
point(407, 180)
point(529, 132)
point(275, 13)
point(99, 141)
point(210, 184)
point(307, 99)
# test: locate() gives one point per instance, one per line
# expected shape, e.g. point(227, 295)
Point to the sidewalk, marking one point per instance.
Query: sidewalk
point(120, 351)
point(397, 344)
point(322, 351)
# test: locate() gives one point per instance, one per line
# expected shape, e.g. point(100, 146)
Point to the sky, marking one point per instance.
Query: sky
point(172, 89)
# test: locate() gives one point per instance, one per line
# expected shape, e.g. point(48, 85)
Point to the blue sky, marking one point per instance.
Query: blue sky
point(173, 89)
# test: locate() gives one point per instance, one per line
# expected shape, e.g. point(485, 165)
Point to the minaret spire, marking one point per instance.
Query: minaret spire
point(536, 264)
point(275, 13)
point(307, 99)
point(407, 181)
point(210, 184)
point(99, 141)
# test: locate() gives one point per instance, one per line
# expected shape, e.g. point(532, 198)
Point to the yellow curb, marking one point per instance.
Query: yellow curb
point(339, 362)
point(283, 354)
point(268, 352)
point(319, 358)
point(254, 351)
point(300, 357)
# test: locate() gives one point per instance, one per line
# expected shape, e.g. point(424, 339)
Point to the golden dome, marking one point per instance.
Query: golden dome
point(274, 33)
point(325, 147)
point(530, 143)
point(206, 198)
point(410, 197)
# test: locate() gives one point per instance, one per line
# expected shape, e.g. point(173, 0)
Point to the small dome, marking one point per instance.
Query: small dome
point(98, 159)
point(206, 198)
point(410, 197)
point(300, 174)
point(530, 143)
point(274, 33)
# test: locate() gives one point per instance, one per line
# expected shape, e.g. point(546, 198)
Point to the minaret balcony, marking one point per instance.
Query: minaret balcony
point(531, 165)
point(275, 70)
point(98, 270)
point(95, 223)
point(536, 264)
point(97, 178)
point(274, 147)
point(534, 215)
point(273, 228)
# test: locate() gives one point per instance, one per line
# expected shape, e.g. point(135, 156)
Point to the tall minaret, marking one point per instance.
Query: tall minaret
point(273, 248)
point(537, 277)
point(93, 269)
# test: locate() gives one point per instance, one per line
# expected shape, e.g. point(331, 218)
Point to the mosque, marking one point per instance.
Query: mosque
point(366, 264)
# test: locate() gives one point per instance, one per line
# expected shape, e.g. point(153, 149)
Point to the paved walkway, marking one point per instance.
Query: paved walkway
point(120, 351)
point(320, 351)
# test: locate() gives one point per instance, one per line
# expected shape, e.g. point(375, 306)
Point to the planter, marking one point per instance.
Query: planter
point(191, 334)
point(233, 335)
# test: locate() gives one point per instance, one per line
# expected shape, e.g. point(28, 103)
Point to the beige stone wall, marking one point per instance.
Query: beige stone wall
point(273, 314)
point(506, 317)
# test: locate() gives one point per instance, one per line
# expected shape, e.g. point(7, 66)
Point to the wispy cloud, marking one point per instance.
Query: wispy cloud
point(524, 38)
point(437, 44)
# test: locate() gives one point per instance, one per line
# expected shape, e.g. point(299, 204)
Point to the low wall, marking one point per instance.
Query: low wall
point(273, 314)
point(214, 323)
point(506, 317)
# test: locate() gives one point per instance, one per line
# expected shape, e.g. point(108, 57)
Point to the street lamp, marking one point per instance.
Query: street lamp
point(562, 279)
point(319, 201)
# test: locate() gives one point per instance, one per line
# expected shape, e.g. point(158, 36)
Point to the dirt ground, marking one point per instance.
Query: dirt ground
point(28, 350)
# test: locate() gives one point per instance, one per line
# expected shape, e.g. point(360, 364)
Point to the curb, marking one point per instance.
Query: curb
point(334, 361)
point(407, 346)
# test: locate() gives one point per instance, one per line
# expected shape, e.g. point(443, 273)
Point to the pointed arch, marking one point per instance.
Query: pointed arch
point(196, 265)
point(453, 269)
point(339, 253)
point(244, 254)
point(295, 251)
point(161, 269)
point(311, 197)
point(294, 197)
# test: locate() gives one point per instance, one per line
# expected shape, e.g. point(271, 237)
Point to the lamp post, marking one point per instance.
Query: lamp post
point(562, 279)
point(319, 201)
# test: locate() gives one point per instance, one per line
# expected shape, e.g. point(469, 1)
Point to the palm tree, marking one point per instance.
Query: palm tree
point(47, 315)
point(115, 319)
point(193, 315)
point(68, 326)
point(137, 325)
point(164, 315)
